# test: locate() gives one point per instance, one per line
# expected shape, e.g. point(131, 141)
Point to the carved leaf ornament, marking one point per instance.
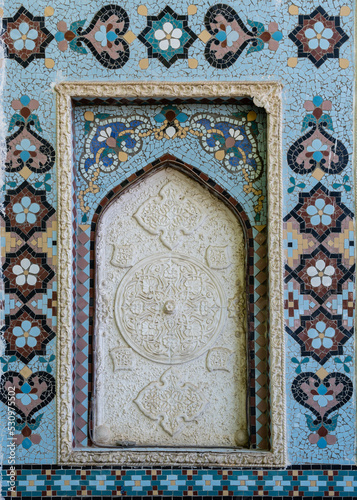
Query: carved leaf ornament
point(171, 215)
point(171, 402)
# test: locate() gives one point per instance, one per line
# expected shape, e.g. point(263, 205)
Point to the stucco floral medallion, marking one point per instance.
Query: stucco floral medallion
point(170, 308)
point(167, 37)
point(25, 37)
point(171, 402)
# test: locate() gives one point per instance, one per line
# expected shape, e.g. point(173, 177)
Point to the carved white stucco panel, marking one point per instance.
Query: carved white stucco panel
point(171, 309)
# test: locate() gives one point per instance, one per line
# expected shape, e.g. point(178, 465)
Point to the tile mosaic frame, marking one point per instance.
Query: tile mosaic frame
point(266, 95)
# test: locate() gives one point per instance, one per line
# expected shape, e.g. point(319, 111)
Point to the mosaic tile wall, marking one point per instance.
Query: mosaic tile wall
point(309, 48)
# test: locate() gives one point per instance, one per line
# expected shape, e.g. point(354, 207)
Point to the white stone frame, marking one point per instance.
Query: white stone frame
point(264, 94)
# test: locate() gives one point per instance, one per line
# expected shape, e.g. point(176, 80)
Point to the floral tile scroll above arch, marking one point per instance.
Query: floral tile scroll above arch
point(25, 37)
point(318, 37)
point(167, 37)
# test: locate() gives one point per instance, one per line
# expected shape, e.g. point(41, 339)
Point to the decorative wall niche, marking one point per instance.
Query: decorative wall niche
point(107, 197)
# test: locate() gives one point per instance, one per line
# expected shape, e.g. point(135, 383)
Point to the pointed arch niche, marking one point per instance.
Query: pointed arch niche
point(156, 295)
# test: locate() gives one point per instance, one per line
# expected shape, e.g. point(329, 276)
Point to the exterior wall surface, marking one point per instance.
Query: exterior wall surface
point(309, 49)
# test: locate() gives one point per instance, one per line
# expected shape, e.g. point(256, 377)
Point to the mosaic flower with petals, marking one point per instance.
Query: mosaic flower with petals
point(26, 273)
point(320, 274)
point(26, 210)
point(167, 37)
point(321, 334)
point(320, 213)
point(318, 36)
point(25, 37)
point(27, 333)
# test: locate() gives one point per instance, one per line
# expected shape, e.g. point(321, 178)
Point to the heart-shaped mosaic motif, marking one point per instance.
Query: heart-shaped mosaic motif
point(31, 394)
point(322, 396)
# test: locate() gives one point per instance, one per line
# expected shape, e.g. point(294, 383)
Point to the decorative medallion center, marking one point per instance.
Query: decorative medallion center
point(170, 309)
point(170, 214)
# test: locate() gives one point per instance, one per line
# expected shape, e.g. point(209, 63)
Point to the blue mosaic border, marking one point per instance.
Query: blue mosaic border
point(302, 482)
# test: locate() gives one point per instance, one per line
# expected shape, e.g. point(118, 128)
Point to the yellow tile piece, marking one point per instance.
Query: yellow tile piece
point(293, 10)
point(191, 10)
point(277, 483)
point(84, 227)
point(204, 36)
point(318, 174)
point(49, 11)
point(192, 63)
point(26, 372)
point(292, 62)
point(207, 482)
point(1, 12)
point(345, 10)
point(129, 37)
point(349, 483)
point(142, 10)
point(25, 173)
point(67, 482)
point(322, 373)
point(89, 116)
point(219, 155)
point(122, 156)
point(144, 63)
point(49, 63)
point(344, 63)
point(242, 483)
point(31, 482)
point(312, 483)
point(137, 483)
point(251, 116)
point(173, 483)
